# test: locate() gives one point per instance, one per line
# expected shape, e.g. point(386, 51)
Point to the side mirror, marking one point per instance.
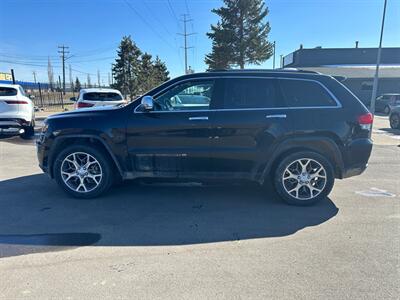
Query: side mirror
point(31, 97)
point(147, 102)
point(73, 99)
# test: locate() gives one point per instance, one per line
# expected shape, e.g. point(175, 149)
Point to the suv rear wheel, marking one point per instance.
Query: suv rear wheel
point(83, 171)
point(304, 178)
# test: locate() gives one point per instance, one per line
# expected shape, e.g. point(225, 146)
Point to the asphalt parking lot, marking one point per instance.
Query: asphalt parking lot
point(195, 242)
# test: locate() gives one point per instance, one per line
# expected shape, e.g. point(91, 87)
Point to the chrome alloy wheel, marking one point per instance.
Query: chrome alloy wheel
point(304, 179)
point(81, 172)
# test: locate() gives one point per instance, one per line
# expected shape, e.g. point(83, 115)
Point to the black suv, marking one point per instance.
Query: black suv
point(300, 129)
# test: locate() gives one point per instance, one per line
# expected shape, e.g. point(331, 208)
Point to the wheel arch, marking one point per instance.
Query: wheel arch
point(91, 140)
point(323, 145)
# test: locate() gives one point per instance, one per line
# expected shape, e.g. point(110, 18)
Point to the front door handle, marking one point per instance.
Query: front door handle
point(281, 116)
point(198, 118)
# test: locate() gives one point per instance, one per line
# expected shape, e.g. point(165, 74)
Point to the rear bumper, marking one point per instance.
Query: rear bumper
point(356, 157)
point(13, 123)
point(12, 126)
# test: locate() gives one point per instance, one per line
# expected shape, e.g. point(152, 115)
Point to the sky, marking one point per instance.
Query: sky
point(31, 31)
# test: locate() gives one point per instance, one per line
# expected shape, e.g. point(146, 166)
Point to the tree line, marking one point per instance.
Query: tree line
point(239, 38)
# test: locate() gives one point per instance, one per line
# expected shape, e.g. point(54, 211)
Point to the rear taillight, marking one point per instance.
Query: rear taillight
point(15, 102)
point(84, 104)
point(365, 121)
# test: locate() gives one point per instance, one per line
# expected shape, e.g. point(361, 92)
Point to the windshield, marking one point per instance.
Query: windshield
point(102, 96)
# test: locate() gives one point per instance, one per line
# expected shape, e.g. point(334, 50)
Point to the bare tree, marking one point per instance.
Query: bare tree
point(50, 74)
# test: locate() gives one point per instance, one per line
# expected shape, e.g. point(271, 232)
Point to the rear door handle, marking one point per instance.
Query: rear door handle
point(281, 116)
point(198, 118)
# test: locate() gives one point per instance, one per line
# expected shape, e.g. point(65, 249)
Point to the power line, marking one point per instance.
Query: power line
point(157, 19)
point(171, 9)
point(25, 64)
point(148, 24)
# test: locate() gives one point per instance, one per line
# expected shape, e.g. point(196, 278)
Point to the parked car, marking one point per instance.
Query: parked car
point(299, 129)
point(17, 114)
point(394, 117)
point(98, 97)
point(386, 101)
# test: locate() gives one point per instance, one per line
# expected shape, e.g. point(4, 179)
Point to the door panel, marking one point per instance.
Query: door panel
point(175, 138)
point(244, 127)
point(243, 140)
point(169, 142)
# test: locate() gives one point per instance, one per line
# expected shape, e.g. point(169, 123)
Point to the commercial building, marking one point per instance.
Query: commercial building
point(356, 65)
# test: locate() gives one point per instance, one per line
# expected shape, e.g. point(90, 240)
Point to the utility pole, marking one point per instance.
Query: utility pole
point(109, 79)
point(34, 76)
point(185, 35)
point(378, 61)
point(63, 52)
point(98, 78)
point(112, 74)
point(281, 61)
point(273, 61)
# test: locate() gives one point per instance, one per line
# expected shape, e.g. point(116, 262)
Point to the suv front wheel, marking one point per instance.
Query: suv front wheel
point(83, 171)
point(304, 178)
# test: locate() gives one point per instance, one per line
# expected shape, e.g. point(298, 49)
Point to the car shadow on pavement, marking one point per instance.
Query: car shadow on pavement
point(32, 207)
point(391, 130)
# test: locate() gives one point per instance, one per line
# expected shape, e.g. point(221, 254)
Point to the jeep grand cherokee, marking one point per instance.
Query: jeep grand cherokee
point(300, 129)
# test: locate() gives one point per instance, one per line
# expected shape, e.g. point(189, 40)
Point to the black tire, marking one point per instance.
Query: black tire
point(29, 131)
point(107, 170)
point(395, 121)
point(386, 110)
point(315, 159)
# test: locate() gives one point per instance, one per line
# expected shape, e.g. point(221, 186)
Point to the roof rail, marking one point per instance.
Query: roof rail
point(265, 70)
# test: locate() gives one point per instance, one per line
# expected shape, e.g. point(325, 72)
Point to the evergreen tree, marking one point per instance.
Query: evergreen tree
point(221, 54)
point(160, 72)
point(241, 37)
point(77, 86)
point(127, 67)
point(146, 74)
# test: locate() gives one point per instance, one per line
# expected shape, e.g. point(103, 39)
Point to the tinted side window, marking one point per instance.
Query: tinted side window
point(6, 91)
point(193, 95)
point(250, 93)
point(303, 93)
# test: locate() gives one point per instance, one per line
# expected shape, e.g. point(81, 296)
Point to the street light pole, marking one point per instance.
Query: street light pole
point(273, 61)
point(378, 61)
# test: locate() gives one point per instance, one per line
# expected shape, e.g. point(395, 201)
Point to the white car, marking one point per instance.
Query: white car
point(98, 97)
point(17, 113)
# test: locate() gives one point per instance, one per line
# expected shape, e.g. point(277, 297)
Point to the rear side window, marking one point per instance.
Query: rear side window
point(102, 97)
point(250, 93)
point(303, 93)
point(6, 91)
